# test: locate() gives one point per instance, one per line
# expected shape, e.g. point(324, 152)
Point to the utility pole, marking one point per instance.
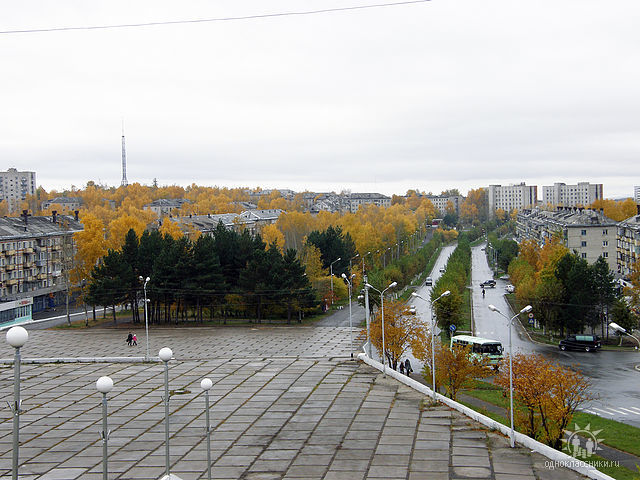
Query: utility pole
point(366, 314)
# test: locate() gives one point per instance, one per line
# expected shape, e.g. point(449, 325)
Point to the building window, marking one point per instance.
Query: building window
point(605, 254)
point(583, 244)
point(605, 243)
point(584, 255)
point(605, 232)
point(583, 232)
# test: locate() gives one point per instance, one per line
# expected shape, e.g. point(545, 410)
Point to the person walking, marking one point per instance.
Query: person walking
point(401, 367)
point(134, 339)
point(483, 293)
point(129, 339)
point(407, 367)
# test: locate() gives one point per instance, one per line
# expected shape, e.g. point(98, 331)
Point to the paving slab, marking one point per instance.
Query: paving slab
point(286, 403)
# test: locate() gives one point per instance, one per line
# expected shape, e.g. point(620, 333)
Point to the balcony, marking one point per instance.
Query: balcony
point(10, 267)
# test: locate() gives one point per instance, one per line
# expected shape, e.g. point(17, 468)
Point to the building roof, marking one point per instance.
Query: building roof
point(168, 202)
point(270, 214)
point(16, 227)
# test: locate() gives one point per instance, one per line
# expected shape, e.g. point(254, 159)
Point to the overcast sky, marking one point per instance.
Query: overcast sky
point(433, 95)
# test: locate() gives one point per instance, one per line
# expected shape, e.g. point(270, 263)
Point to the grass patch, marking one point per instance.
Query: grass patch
point(615, 434)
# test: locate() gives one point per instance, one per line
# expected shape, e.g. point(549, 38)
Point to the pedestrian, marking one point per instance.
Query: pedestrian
point(407, 367)
point(483, 293)
point(401, 367)
point(134, 339)
point(129, 339)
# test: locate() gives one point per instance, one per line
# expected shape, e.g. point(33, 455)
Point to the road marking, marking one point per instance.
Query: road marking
point(589, 411)
point(635, 408)
point(616, 411)
point(603, 411)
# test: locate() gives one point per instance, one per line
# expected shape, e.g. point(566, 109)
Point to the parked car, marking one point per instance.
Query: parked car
point(588, 343)
point(428, 282)
point(411, 310)
point(509, 288)
point(488, 284)
point(441, 269)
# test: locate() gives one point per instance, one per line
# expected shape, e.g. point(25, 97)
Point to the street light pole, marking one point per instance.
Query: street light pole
point(104, 386)
point(446, 293)
point(384, 367)
point(349, 280)
point(510, 320)
point(146, 321)
point(331, 270)
point(16, 337)
point(165, 355)
point(206, 384)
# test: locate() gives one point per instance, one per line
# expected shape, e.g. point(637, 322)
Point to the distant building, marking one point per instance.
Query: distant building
point(583, 194)
point(62, 204)
point(628, 245)
point(251, 220)
point(15, 186)
point(165, 206)
point(442, 201)
point(587, 233)
point(356, 199)
point(636, 193)
point(511, 197)
point(256, 219)
point(33, 255)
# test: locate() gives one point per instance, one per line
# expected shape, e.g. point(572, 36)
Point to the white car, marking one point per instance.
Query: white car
point(428, 282)
point(510, 288)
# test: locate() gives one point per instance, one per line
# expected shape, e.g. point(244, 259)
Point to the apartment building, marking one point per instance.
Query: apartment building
point(579, 195)
point(354, 200)
point(636, 193)
point(628, 244)
point(511, 197)
point(587, 233)
point(165, 206)
point(62, 204)
point(15, 186)
point(441, 202)
point(34, 253)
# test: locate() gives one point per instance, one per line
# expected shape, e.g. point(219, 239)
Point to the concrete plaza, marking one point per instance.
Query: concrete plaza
point(286, 403)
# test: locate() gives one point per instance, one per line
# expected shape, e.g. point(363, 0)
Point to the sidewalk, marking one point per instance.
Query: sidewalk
point(277, 412)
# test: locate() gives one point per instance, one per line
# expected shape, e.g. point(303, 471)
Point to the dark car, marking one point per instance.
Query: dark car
point(588, 343)
point(488, 284)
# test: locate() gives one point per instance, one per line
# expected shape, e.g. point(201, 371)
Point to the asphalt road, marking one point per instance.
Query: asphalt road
point(615, 381)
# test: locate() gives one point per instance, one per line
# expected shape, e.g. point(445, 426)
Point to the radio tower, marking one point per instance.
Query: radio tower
point(124, 161)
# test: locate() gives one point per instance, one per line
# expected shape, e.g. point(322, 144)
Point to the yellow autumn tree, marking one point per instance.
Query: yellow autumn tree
point(118, 228)
point(170, 228)
point(271, 234)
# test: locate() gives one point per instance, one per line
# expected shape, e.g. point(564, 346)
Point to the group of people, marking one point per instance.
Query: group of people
point(405, 367)
point(132, 339)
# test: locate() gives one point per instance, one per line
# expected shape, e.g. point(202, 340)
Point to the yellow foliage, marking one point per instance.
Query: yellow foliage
point(170, 228)
point(271, 234)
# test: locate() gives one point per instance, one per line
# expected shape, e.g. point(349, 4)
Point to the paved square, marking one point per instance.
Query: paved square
point(286, 403)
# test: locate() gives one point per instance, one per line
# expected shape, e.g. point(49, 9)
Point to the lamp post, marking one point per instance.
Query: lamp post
point(104, 386)
point(363, 256)
point(351, 260)
point(349, 280)
point(384, 368)
point(206, 384)
point(510, 320)
point(446, 293)
point(331, 270)
point(620, 329)
point(165, 355)
point(16, 337)
point(146, 322)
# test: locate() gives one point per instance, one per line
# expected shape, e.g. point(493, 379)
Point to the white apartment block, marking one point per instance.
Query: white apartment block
point(636, 193)
point(15, 186)
point(628, 243)
point(587, 233)
point(511, 197)
point(581, 195)
point(354, 200)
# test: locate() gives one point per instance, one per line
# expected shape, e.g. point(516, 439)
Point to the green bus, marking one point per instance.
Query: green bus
point(481, 348)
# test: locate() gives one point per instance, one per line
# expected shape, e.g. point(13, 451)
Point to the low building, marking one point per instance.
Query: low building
point(441, 202)
point(580, 195)
point(62, 204)
point(628, 244)
point(166, 206)
point(587, 233)
point(33, 254)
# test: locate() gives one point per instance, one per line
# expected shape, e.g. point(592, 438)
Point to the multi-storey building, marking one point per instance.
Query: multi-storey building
point(15, 186)
point(628, 244)
point(580, 195)
point(511, 197)
point(441, 202)
point(356, 199)
point(587, 233)
point(35, 254)
point(636, 193)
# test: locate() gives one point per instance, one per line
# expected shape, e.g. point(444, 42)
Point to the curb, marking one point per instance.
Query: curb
point(558, 458)
point(9, 361)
